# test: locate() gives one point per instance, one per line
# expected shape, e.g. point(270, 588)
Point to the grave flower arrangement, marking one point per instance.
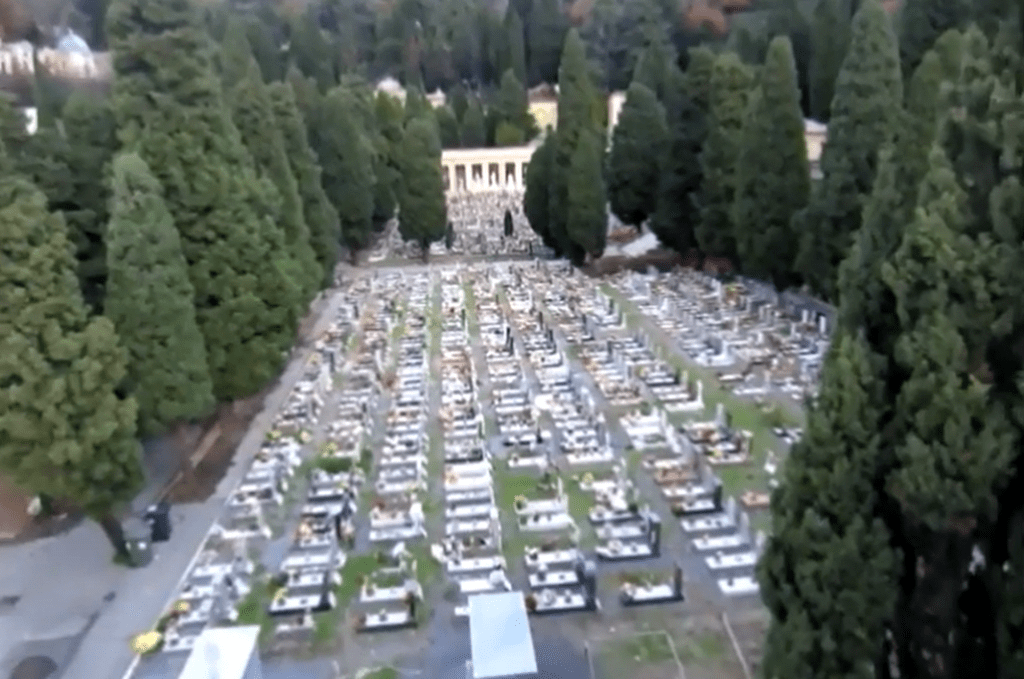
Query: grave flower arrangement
point(147, 642)
point(520, 502)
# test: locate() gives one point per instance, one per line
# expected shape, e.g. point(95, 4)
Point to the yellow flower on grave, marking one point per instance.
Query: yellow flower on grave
point(181, 607)
point(588, 478)
point(146, 642)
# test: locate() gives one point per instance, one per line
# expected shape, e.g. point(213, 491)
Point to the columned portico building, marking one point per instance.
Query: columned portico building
point(487, 169)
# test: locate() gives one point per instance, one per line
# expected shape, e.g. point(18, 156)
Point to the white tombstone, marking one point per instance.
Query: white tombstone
point(823, 324)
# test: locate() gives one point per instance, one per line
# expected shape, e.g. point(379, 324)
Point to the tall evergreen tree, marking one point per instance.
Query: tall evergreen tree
point(921, 22)
point(348, 170)
point(150, 302)
point(309, 49)
point(235, 55)
point(512, 106)
point(171, 111)
point(473, 130)
point(576, 116)
point(731, 84)
point(587, 224)
point(265, 46)
point(447, 127)
point(545, 35)
point(321, 218)
point(253, 114)
point(867, 98)
point(516, 44)
point(676, 216)
point(508, 224)
point(536, 198)
point(66, 428)
point(637, 140)
point(422, 211)
point(654, 68)
point(830, 37)
point(773, 176)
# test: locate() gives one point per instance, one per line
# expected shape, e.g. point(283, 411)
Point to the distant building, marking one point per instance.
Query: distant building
point(391, 87)
point(815, 134)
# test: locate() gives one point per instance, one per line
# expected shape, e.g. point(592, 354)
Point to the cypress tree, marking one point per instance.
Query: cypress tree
point(545, 36)
point(587, 224)
point(422, 211)
point(921, 22)
point(473, 130)
point(942, 333)
point(448, 127)
point(676, 216)
point(516, 44)
point(509, 226)
point(172, 113)
point(638, 138)
point(66, 428)
point(773, 177)
point(253, 114)
point(235, 54)
point(576, 116)
point(150, 302)
point(348, 169)
point(265, 47)
point(654, 68)
point(830, 37)
point(536, 198)
point(700, 68)
point(321, 218)
point(512, 106)
point(868, 95)
point(310, 51)
point(731, 84)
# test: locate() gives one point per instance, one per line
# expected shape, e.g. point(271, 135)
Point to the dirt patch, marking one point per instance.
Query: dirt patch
point(750, 629)
point(232, 421)
point(663, 260)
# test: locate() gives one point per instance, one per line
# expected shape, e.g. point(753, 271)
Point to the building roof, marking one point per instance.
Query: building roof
point(221, 653)
point(499, 636)
point(73, 43)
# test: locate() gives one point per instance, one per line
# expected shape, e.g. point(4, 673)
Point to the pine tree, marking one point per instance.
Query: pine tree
point(576, 117)
point(422, 211)
point(473, 130)
point(253, 114)
point(587, 224)
point(731, 84)
point(347, 160)
point(830, 37)
point(676, 216)
point(868, 94)
point(150, 302)
point(639, 137)
point(321, 218)
point(66, 428)
point(536, 198)
point(773, 176)
point(172, 113)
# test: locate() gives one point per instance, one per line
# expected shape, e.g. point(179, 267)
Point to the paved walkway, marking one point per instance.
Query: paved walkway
point(80, 608)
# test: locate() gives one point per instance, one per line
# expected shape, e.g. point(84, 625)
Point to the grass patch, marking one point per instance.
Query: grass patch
point(631, 656)
point(701, 646)
point(382, 673)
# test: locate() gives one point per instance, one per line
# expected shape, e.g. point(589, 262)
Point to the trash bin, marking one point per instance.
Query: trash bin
point(137, 540)
point(159, 518)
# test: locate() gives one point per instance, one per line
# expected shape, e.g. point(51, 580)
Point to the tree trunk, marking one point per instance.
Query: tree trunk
point(111, 526)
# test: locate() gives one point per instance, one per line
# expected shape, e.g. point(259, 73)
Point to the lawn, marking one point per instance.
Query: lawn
point(645, 655)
